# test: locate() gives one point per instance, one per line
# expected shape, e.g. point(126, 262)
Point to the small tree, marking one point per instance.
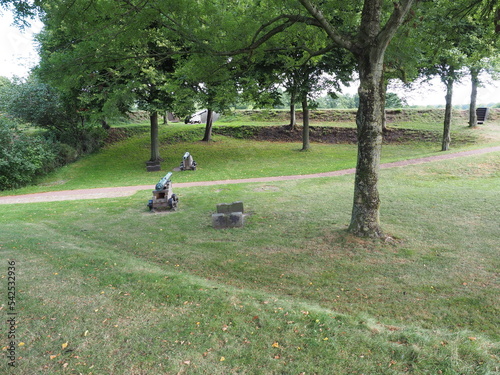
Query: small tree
point(209, 82)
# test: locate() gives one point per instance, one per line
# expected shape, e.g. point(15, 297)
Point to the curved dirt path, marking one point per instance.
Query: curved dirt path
point(113, 192)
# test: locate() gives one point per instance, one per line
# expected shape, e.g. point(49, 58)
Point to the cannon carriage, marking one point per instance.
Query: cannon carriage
point(163, 198)
point(187, 162)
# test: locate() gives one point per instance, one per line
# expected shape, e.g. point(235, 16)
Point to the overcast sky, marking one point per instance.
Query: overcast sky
point(17, 50)
point(18, 55)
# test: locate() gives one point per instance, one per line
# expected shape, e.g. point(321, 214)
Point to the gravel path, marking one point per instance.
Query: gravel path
point(97, 193)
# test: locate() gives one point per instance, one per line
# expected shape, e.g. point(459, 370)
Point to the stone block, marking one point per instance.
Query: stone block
point(235, 219)
point(232, 220)
point(219, 221)
point(229, 215)
point(223, 208)
point(227, 208)
point(153, 166)
point(237, 207)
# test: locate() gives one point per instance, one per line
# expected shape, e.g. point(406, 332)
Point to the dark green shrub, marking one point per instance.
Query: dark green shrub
point(22, 157)
point(65, 154)
point(85, 138)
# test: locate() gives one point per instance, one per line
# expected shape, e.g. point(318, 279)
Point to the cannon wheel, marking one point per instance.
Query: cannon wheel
point(172, 202)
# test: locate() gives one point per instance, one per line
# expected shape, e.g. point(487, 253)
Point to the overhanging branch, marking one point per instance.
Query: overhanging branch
point(397, 17)
point(327, 26)
point(258, 40)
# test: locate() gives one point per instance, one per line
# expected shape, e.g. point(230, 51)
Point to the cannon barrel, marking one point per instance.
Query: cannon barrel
point(163, 182)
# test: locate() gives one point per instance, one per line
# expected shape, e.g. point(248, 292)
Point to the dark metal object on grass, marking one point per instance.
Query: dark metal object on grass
point(163, 198)
point(187, 163)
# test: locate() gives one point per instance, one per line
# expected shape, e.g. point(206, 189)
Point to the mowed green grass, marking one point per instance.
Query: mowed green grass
point(123, 163)
point(106, 287)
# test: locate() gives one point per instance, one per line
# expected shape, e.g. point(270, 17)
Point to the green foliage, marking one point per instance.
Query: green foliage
point(35, 102)
point(84, 138)
point(454, 37)
point(22, 157)
point(392, 100)
point(22, 10)
point(339, 101)
point(32, 102)
point(39, 104)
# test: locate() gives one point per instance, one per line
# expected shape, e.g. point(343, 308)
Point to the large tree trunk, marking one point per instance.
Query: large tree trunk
point(208, 127)
point(369, 47)
point(305, 125)
point(293, 118)
point(365, 220)
point(474, 75)
point(447, 114)
point(155, 144)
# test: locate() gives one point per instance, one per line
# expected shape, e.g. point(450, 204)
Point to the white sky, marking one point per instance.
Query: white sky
point(433, 93)
point(18, 55)
point(17, 48)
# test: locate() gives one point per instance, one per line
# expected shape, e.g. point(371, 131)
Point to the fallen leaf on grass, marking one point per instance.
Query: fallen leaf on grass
point(275, 345)
point(64, 346)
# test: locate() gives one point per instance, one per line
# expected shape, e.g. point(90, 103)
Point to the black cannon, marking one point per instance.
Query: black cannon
point(187, 162)
point(163, 199)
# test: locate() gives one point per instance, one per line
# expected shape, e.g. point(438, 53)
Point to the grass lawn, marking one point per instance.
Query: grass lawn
point(123, 164)
point(106, 287)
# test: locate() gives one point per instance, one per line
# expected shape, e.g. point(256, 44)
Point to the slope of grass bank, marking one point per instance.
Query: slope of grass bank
point(405, 116)
point(106, 287)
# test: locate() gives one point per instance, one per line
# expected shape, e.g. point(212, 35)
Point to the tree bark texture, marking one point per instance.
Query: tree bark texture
point(383, 98)
point(305, 125)
point(293, 118)
point(155, 145)
point(474, 75)
point(208, 127)
point(447, 115)
point(365, 220)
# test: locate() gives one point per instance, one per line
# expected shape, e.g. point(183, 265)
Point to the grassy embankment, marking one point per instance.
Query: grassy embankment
point(106, 287)
point(123, 164)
